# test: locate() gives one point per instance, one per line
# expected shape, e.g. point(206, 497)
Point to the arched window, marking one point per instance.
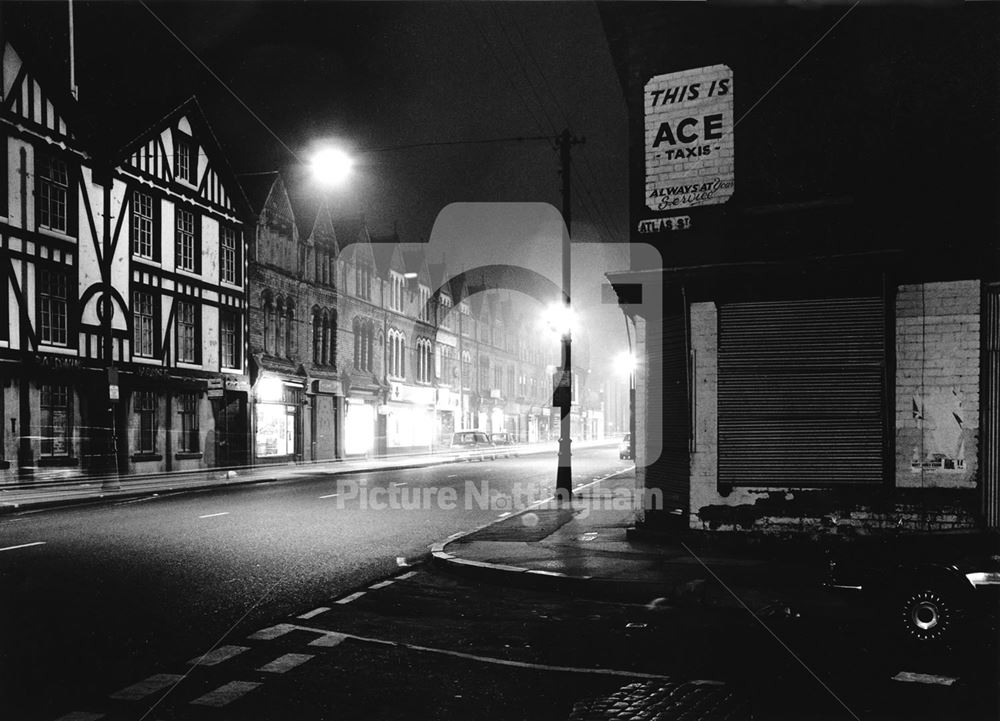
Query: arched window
point(317, 334)
point(326, 338)
point(369, 345)
point(280, 326)
point(290, 344)
point(424, 359)
point(466, 369)
point(333, 338)
point(397, 354)
point(268, 308)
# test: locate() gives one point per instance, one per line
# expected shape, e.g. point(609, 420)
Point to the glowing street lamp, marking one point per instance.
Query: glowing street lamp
point(331, 166)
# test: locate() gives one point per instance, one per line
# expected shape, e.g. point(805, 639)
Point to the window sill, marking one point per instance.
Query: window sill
point(57, 461)
point(140, 457)
point(188, 456)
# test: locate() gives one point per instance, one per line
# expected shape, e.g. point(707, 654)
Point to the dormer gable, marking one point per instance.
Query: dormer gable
point(36, 104)
point(180, 152)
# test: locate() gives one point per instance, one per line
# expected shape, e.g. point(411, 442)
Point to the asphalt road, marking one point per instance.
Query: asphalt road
point(110, 592)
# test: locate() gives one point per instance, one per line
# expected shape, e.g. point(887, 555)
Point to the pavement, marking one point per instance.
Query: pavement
point(58, 487)
point(586, 549)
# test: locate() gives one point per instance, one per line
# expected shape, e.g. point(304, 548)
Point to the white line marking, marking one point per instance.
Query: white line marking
point(23, 545)
point(381, 584)
point(453, 475)
point(81, 716)
point(504, 515)
point(314, 612)
point(271, 632)
point(213, 515)
point(352, 597)
point(913, 677)
point(285, 663)
point(144, 688)
point(401, 561)
point(401, 483)
point(329, 640)
point(226, 694)
point(332, 495)
point(408, 574)
point(218, 655)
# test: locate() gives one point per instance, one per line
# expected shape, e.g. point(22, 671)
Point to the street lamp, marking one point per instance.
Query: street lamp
point(331, 166)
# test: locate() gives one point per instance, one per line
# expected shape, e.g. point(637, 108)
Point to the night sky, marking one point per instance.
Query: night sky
point(374, 77)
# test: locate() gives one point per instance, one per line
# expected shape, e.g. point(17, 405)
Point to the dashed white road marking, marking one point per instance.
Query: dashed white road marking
point(381, 584)
point(315, 612)
point(453, 475)
point(81, 716)
point(353, 597)
point(408, 574)
point(213, 515)
point(913, 677)
point(504, 515)
point(23, 545)
point(226, 694)
point(401, 561)
point(271, 632)
point(329, 640)
point(149, 686)
point(401, 483)
point(218, 655)
point(285, 663)
point(332, 495)
point(588, 536)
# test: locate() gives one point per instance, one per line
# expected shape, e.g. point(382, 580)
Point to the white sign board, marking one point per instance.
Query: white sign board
point(689, 138)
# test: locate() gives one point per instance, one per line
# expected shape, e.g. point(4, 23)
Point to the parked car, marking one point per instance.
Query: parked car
point(931, 590)
point(625, 447)
point(472, 445)
point(505, 442)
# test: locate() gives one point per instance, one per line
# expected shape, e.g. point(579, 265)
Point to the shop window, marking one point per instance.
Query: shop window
point(145, 406)
point(187, 410)
point(56, 420)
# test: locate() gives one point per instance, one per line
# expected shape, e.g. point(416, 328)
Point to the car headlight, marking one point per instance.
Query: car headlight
point(984, 578)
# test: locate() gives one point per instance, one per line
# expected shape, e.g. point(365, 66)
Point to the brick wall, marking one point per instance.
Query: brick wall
point(937, 384)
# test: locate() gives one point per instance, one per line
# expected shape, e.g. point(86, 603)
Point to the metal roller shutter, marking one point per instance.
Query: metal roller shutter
point(801, 392)
point(990, 448)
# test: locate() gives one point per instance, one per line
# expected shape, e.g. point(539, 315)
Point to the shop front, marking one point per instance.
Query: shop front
point(277, 420)
point(410, 419)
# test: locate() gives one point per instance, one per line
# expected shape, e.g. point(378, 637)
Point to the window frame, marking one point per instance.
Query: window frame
point(188, 440)
point(138, 327)
point(230, 340)
point(52, 306)
point(47, 412)
point(192, 328)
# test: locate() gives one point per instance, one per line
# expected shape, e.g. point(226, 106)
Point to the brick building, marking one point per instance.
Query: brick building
point(818, 348)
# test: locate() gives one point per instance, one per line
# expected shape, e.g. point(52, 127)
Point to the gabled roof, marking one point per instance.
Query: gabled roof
point(387, 255)
point(51, 109)
point(438, 273)
point(203, 133)
point(351, 230)
point(415, 261)
point(257, 189)
point(322, 231)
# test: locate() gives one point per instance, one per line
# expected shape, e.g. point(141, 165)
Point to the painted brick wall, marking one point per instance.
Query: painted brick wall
point(937, 384)
point(705, 356)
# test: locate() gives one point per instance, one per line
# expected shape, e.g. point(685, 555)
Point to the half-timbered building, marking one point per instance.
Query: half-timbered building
point(122, 293)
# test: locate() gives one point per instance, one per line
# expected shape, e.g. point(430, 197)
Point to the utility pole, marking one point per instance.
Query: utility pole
point(564, 473)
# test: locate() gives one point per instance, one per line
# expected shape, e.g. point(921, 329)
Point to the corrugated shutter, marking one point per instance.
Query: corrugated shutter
point(801, 392)
point(668, 411)
point(991, 408)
